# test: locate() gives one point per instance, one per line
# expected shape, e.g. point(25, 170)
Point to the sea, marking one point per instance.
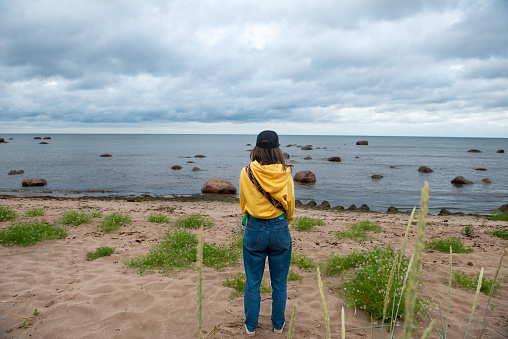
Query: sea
point(141, 164)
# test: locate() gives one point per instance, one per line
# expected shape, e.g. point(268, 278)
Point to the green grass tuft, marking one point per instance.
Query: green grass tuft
point(76, 218)
point(306, 223)
point(468, 231)
point(193, 221)
point(303, 261)
point(238, 282)
point(28, 233)
point(357, 231)
point(443, 245)
point(499, 215)
point(113, 222)
point(470, 281)
point(294, 276)
point(7, 214)
point(159, 218)
point(177, 250)
point(501, 233)
point(365, 286)
point(36, 212)
point(99, 253)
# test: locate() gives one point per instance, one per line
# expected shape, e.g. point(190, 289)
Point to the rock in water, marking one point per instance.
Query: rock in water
point(217, 186)
point(305, 177)
point(34, 182)
point(460, 181)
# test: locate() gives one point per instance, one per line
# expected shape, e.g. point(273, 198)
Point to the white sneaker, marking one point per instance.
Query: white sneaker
point(279, 331)
point(249, 332)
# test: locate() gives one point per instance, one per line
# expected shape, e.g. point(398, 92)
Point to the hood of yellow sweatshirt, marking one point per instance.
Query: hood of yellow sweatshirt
point(272, 178)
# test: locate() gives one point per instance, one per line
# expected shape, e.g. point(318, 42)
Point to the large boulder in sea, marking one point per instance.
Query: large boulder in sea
point(487, 180)
point(2, 140)
point(14, 172)
point(217, 186)
point(503, 208)
point(474, 151)
point(307, 148)
point(500, 151)
point(106, 155)
point(376, 176)
point(362, 142)
point(335, 159)
point(425, 169)
point(34, 182)
point(460, 181)
point(305, 177)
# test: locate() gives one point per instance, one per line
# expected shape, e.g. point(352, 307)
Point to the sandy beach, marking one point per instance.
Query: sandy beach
point(76, 298)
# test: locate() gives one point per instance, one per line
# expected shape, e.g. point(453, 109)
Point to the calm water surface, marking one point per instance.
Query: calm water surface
point(141, 164)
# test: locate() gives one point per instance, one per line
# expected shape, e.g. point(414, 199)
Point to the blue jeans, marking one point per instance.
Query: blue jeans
point(266, 237)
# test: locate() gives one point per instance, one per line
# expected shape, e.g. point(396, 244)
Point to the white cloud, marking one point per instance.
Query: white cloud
point(435, 66)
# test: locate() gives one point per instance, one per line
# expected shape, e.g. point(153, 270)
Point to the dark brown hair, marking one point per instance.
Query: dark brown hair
point(268, 156)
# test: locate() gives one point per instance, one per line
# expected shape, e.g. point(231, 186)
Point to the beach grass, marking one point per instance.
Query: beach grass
point(357, 230)
point(35, 212)
point(28, 233)
point(159, 218)
point(499, 215)
point(194, 221)
point(177, 250)
point(113, 222)
point(469, 281)
point(468, 231)
point(502, 233)
point(303, 261)
point(294, 276)
point(7, 214)
point(443, 245)
point(99, 253)
point(238, 282)
point(76, 218)
point(305, 223)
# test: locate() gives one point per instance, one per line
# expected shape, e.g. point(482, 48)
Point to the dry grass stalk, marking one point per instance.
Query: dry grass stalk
point(199, 262)
point(416, 267)
point(323, 303)
point(292, 322)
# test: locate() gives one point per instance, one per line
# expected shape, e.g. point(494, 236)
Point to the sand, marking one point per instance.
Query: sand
point(103, 298)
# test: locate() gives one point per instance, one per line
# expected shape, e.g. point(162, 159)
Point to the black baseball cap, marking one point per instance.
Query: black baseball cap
point(268, 139)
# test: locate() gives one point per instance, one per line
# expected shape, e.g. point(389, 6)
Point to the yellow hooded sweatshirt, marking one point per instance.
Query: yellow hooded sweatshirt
point(275, 181)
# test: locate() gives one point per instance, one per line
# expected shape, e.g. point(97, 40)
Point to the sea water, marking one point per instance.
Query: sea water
point(141, 164)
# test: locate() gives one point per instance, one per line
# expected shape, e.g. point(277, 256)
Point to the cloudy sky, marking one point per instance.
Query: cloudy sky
point(362, 67)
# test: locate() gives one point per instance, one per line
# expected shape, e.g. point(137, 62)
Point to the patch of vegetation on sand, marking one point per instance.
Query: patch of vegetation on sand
point(28, 233)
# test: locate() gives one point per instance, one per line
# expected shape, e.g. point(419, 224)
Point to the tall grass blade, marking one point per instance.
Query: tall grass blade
point(427, 332)
point(323, 303)
point(392, 326)
point(491, 292)
point(445, 332)
point(292, 322)
point(478, 287)
point(387, 293)
point(343, 323)
point(416, 268)
point(199, 262)
point(428, 316)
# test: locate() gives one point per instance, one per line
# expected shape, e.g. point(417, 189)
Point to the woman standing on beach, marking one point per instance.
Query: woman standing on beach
point(267, 200)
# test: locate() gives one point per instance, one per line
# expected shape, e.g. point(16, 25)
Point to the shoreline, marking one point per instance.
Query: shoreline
point(220, 198)
point(104, 298)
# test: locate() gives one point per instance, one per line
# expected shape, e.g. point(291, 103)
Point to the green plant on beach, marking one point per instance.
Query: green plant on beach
point(159, 218)
point(469, 281)
point(443, 245)
point(113, 222)
point(36, 212)
point(177, 250)
point(303, 261)
point(194, 220)
point(501, 233)
point(76, 218)
point(99, 253)
point(499, 215)
point(306, 223)
point(468, 231)
point(7, 214)
point(238, 282)
point(357, 230)
point(28, 233)
point(294, 276)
